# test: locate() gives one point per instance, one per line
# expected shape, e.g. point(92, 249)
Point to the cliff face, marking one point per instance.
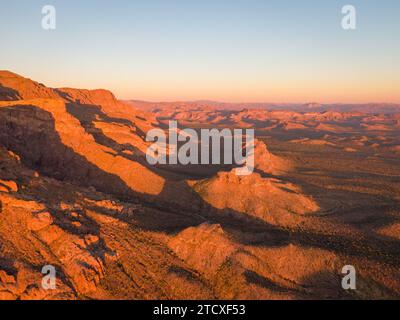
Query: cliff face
point(49, 138)
point(56, 130)
point(15, 87)
point(92, 97)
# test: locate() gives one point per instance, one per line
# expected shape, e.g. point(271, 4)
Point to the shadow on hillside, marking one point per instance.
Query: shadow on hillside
point(328, 286)
point(8, 94)
point(30, 132)
point(41, 148)
point(89, 114)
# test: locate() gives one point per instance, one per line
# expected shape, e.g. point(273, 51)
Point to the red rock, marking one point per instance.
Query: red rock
point(9, 185)
point(40, 221)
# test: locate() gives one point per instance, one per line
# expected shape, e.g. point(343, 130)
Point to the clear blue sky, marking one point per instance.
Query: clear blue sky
point(232, 50)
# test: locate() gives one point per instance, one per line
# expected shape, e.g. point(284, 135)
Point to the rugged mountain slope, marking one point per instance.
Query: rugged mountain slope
point(61, 147)
point(88, 236)
point(286, 271)
point(77, 193)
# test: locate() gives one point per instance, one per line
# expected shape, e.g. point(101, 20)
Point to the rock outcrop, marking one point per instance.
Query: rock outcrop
point(268, 199)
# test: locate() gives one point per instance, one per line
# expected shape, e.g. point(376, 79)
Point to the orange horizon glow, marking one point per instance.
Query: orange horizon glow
point(328, 92)
point(266, 52)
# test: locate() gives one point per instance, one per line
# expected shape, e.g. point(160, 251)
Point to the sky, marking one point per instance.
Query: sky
point(225, 50)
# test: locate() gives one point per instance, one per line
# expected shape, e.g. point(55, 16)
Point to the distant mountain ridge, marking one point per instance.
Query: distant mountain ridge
point(15, 87)
point(387, 108)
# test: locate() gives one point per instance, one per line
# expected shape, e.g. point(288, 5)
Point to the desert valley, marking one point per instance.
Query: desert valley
point(77, 193)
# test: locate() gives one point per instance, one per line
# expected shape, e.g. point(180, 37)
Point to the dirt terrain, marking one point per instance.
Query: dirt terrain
point(76, 192)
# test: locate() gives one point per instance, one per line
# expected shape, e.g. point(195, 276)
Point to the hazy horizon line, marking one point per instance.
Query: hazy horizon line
point(244, 102)
point(200, 100)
